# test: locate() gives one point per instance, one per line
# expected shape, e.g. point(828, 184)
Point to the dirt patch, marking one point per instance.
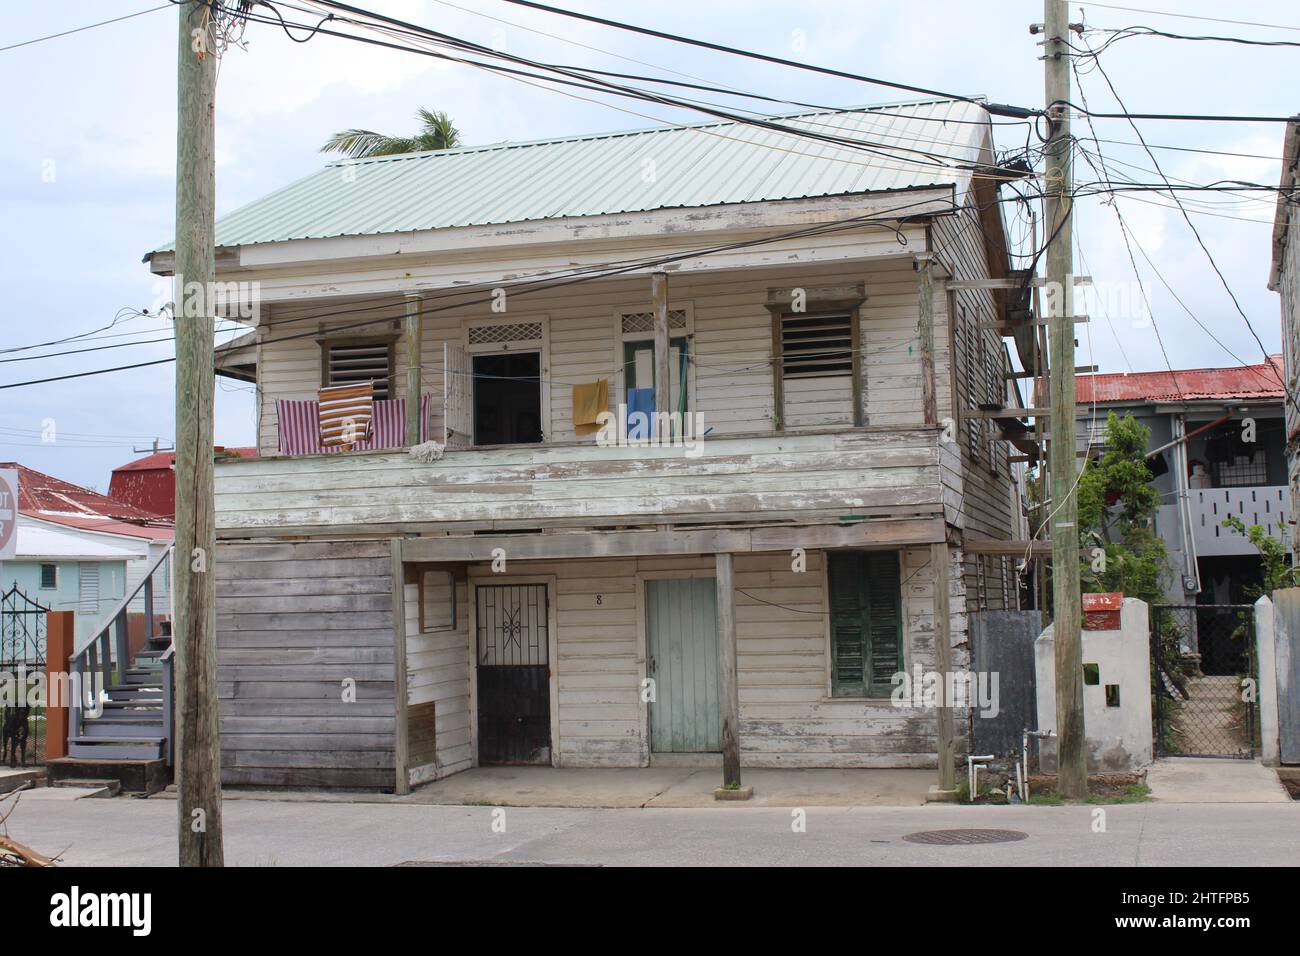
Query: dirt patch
point(1115, 787)
point(1291, 780)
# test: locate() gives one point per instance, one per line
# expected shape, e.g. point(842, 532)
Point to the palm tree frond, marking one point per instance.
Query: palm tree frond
point(437, 131)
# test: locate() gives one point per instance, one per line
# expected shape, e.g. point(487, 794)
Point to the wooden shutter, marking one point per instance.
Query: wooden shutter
point(884, 621)
point(866, 622)
point(357, 361)
point(846, 576)
point(814, 345)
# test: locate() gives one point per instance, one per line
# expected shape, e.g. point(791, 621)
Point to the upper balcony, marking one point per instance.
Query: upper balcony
point(832, 476)
point(1264, 505)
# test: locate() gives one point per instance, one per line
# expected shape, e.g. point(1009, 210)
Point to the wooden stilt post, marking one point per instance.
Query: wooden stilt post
point(943, 660)
point(413, 342)
point(729, 698)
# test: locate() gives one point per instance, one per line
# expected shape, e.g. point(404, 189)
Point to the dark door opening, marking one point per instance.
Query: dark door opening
point(514, 695)
point(508, 399)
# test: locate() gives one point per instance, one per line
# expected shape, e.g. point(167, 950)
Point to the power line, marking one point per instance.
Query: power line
point(1188, 16)
point(89, 26)
point(1195, 232)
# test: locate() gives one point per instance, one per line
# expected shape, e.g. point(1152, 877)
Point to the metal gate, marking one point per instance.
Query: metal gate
point(1203, 679)
point(514, 696)
point(22, 661)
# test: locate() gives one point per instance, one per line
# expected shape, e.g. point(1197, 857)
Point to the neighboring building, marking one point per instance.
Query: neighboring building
point(64, 571)
point(50, 507)
point(1284, 278)
point(149, 483)
point(1232, 461)
point(505, 596)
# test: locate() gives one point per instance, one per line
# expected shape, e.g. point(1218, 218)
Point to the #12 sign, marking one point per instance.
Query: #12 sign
point(8, 514)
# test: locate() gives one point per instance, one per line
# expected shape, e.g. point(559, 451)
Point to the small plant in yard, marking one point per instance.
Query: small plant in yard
point(731, 786)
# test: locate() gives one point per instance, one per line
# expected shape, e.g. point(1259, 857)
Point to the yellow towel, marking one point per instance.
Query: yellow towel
point(588, 402)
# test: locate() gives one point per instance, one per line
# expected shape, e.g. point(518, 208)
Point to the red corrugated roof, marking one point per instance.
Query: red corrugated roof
point(160, 530)
point(41, 495)
point(1242, 381)
point(150, 482)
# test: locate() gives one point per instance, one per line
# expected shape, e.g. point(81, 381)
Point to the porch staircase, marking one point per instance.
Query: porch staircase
point(131, 724)
point(120, 721)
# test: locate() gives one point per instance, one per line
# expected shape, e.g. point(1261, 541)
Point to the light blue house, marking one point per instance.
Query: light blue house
point(65, 570)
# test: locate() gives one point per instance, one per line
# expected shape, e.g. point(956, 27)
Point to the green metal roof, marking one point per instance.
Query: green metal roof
point(664, 168)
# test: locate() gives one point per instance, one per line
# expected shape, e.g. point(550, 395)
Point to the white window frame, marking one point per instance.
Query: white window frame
point(621, 339)
point(506, 348)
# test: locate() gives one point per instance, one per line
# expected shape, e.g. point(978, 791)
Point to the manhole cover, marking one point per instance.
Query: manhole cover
point(964, 837)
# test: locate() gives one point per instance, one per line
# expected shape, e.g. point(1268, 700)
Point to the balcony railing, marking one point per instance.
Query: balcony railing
point(1264, 505)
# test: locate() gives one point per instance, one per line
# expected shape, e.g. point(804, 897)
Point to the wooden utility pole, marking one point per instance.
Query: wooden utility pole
point(198, 756)
point(1072, 770)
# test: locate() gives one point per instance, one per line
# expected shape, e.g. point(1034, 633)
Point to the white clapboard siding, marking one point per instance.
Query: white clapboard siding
point(731, 349)
point(864, 472)
point(437, 672)
point(786, 716)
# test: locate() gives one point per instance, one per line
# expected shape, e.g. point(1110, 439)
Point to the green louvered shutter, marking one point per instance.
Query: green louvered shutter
point(884, 622)
point(866, 623)
point(847, 576)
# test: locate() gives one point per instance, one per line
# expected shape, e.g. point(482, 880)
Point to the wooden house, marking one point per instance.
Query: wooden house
point(827, 320)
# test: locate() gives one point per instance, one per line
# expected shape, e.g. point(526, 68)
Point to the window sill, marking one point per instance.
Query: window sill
point(857, 700)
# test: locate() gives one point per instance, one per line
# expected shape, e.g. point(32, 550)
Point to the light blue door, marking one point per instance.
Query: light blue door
point(682, 647)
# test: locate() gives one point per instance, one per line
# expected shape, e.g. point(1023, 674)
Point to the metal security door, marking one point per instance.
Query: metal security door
point(682, 644)
point(1202, 656)
point(514, 697)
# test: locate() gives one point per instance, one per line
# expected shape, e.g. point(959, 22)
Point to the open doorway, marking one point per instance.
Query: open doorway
point(508, 398)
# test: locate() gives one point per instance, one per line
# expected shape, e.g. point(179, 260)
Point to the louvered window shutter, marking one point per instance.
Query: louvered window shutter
point(866, 622)
point(847, 577)
point(884, 621)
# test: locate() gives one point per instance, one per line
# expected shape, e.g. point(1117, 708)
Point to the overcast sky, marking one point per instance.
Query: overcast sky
point(87, 180)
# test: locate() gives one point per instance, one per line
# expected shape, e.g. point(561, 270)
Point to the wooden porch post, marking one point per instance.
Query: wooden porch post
point(663, 380)
point(729, 702)
point(413, 346)
point(925, 332)
point(60, 635)
point(401, 705)
point(943, 660)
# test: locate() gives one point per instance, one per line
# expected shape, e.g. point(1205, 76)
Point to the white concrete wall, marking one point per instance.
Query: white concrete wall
point(1266, 651)
point(1119, 738)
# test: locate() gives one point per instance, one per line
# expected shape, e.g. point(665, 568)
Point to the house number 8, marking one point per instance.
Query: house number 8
point(600, 599)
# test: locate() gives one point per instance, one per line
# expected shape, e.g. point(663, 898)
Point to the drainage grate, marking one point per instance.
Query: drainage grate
point(964, 837)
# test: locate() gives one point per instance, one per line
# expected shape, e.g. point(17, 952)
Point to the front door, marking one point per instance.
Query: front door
point(682, 659)
point(514, 699)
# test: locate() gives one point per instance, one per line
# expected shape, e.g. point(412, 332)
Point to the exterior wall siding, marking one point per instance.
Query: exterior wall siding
point(295, 621)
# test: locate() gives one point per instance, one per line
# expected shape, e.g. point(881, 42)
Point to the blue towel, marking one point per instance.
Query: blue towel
point(640, 412)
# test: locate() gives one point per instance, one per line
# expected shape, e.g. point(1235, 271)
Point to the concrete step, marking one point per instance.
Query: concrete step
point(11, 780)
point(135, 775)
point(100, 788)
point(116, 747)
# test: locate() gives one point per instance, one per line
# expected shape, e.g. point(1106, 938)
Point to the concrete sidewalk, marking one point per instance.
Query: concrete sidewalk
point(1211, 780)
point(126, 832)
point(672, 787)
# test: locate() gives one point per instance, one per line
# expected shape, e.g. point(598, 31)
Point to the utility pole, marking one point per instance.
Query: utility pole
point(1072, 768)
point(194, 630)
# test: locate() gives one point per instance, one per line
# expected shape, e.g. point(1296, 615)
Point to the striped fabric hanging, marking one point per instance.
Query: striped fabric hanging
point(345, 413)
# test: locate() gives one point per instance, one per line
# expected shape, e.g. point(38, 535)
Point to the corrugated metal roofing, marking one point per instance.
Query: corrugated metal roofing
point(42, 495)
point(1244, 381)
point(700, 165)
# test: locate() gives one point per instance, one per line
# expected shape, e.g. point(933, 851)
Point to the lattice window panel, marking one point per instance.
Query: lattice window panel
point(509, 332)
point(637, 322)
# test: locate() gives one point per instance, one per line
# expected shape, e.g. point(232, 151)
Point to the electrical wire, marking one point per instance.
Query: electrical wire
point(89, 26)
